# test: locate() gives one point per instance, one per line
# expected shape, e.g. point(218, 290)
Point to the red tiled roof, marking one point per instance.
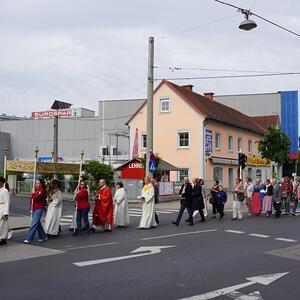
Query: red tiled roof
point(212, 109)
point(265, 121)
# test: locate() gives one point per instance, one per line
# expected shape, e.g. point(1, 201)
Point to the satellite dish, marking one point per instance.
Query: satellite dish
point(248, 25)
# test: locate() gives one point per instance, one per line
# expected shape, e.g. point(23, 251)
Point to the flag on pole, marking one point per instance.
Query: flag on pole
point(135, 148)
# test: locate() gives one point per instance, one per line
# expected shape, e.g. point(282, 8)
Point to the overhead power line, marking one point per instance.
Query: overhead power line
point(231, 76)
point(215, 70)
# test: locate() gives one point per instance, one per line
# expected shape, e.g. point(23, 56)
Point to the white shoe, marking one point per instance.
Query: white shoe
point(26, 242)
point(42, 240)
point(10, 235)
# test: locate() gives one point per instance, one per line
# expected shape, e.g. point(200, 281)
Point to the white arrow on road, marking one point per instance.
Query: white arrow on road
point(141, 251)
point(263, 279)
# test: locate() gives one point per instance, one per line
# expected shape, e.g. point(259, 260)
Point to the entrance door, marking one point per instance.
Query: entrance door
point(230, 179)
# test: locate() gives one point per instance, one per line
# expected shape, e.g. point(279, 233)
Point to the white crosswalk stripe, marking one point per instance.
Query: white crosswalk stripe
point(133, 212)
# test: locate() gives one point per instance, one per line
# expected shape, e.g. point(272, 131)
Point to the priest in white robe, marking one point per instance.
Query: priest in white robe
point(148, 209)
point(4, 211)
point(121, 214)
point(52, 221)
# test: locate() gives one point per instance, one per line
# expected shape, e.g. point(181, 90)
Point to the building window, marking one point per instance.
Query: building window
point(240, 145)
point(217, 141)
point(218, 174)
point(182, 174)
point(250, 146)
point(183, 139)
point(165, 105)
point(144, 141)
point(230, 143)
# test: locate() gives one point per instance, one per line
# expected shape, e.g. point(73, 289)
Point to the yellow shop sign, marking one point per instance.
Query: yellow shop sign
point(258, 161)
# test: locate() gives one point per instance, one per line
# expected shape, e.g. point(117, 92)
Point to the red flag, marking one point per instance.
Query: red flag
point(135, 149)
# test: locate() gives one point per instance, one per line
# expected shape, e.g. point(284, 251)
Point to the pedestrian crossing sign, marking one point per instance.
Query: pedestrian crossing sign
point(152, 166)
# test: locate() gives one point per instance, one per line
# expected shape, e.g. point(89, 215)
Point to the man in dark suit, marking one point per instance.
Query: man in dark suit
point(186, 202)
point(277, 198)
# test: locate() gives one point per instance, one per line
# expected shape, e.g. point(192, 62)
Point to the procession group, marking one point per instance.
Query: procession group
point(111, 211)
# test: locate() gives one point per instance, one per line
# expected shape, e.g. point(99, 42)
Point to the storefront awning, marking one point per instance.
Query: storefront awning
point(224, 161)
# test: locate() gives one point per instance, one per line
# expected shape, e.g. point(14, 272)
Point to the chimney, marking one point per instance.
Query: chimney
point(209, 95)
point(188, 87)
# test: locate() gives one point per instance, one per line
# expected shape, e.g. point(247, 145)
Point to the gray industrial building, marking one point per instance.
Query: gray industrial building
point(104, 137)
point(4, 143)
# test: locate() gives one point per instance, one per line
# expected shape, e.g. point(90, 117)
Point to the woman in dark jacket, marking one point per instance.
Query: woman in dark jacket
point(213, 198)
point(198, 203)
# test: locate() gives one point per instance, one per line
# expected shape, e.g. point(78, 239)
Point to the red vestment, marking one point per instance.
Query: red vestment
point(103, 212)
point(256, 204)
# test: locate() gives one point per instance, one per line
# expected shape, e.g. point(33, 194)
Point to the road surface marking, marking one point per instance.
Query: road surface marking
point(164, 212)
point(286, 240)
point(89, 246)
point(240, 296)
point(263, 279)
point(141, 251)
point(259, 235)
point(178, 234)
point(235, 231)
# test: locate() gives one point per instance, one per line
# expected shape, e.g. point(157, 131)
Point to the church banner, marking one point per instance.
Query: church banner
point(42, 168)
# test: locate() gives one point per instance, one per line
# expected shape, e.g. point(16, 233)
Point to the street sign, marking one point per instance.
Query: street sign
point(141, 251)
point(152, 166)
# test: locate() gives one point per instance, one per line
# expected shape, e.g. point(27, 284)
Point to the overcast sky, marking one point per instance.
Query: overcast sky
point(83, 51)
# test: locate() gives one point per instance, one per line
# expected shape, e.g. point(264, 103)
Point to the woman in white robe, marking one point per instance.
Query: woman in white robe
point(148, 210)
point(121, 206)
point(52, 221)
point(4, 211)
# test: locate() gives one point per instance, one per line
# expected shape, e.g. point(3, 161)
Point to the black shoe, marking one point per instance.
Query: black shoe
point(190, 224)
point(175, 223)
point(3, 242)
point(202, 221)
point(221, 219)
point(75, 234)
point(214, 216)
point(234, 219)
point(92, 229)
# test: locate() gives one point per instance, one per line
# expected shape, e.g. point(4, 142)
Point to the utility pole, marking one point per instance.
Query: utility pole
point(149, 140)
point(55, 138)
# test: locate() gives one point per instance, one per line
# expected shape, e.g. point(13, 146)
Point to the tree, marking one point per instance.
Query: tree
point(96, 171)
point(275, 146)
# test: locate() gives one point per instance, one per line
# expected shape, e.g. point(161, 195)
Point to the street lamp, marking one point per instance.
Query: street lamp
point(5, 154)
point(57, 105)
point(247, 24)
point(250, 24)
point(36, 151)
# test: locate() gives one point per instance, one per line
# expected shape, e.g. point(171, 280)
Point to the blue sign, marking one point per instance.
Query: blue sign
point(48, 159)
point(152, 166)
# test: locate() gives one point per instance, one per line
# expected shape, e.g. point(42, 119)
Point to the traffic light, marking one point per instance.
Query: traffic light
point(242, 160)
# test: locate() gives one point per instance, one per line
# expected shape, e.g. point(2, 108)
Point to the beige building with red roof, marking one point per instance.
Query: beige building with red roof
point(200, 136)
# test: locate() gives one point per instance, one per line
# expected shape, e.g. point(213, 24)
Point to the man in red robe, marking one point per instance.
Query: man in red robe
point(103, 212)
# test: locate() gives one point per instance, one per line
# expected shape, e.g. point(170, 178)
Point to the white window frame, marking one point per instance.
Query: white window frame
point(178, 174)
point(217, 147)
point(250, 148)
point(230, 149)
point(164, 100)
point(178, 139)
point(240, 149)
point(142, 140)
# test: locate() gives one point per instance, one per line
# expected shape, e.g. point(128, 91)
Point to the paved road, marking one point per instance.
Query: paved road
point(199, 259)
